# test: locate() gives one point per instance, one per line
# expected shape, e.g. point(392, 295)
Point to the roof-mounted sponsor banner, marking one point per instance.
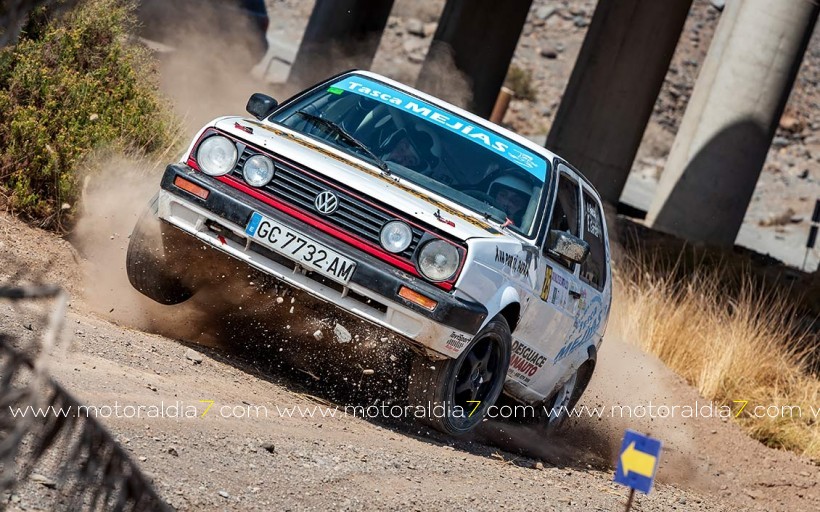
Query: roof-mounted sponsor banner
point(527, 160)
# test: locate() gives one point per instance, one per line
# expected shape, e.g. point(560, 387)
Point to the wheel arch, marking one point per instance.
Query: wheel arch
point(506, 303)
point(585, 372)
point(587, 368)
point(511, 313)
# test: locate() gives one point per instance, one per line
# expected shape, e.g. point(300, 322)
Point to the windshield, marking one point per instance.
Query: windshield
point(425, 144)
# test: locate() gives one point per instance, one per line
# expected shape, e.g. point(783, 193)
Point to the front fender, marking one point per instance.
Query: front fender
point(503, 297)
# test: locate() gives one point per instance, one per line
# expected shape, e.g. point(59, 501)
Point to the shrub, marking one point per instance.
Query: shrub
point(70, 86)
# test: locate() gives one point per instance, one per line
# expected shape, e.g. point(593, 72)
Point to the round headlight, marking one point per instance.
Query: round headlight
point(438, 260)
point(396, 236)
point(216, 155)
point(258, 170)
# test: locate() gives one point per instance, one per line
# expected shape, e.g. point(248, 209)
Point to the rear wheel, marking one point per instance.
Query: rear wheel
point(149, 261)
point(457, 392)
point(566, 397)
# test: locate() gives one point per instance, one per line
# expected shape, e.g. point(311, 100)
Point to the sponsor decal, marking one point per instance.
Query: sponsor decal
point(523, 158)
point(525, 362)
point(559, 297)
point(545, 288)
point(556, 289)
point(584, 329)
point(593, 221)
point(457, 341)
point(516, 264)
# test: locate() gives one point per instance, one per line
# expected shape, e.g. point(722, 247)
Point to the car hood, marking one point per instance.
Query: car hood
point(417, 203)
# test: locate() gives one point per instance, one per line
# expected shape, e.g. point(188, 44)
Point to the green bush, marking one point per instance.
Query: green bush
point(70, 86)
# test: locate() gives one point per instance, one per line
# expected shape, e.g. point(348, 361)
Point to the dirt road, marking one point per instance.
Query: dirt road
point(246, 453)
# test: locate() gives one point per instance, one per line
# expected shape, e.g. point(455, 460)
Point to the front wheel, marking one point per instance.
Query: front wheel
point(149, 262)
point(456, 393)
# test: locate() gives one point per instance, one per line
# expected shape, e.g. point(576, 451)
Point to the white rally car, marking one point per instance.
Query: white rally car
point(485, 252)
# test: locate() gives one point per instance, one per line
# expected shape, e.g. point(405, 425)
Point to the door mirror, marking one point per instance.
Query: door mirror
point(567, 246)
point(261, 105)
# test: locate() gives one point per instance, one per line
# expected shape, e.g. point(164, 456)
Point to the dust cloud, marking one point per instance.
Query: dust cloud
point(113, 198)
point(207, 57)
point(443, 79)
point(204, 59)
point(624, 377)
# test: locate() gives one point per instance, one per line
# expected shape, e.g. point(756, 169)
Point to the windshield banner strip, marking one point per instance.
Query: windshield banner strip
point(530, 162)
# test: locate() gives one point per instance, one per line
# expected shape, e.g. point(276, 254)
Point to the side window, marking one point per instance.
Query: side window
point(565, 211)
point(593, 271)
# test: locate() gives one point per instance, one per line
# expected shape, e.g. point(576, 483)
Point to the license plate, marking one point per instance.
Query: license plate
point(301, 249)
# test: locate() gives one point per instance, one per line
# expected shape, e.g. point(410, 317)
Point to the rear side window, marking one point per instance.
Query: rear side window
point(593, 271)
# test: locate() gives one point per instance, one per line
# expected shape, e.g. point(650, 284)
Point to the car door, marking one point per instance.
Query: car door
point(549, 318)
point(594, 280)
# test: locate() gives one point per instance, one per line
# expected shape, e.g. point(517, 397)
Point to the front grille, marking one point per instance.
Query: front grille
point(353, 215)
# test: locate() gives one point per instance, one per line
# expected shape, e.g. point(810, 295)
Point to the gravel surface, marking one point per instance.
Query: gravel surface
point(257, 461)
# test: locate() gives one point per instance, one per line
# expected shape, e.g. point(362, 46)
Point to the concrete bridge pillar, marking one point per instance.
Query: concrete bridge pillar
point(616, 80)
point(340, 35)
point(476, 38)
point(735, 107)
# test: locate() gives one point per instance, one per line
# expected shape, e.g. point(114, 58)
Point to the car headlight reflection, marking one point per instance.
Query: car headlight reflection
point(438, 260)
point(258, 170)
point(216, 155)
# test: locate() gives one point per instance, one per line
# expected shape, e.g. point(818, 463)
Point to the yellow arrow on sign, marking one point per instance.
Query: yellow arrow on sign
point(637, 461)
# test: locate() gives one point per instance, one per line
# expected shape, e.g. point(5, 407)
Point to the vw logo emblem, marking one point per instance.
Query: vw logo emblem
point(326, 202)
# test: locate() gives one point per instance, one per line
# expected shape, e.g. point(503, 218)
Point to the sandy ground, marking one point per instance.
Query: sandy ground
point(356, 463)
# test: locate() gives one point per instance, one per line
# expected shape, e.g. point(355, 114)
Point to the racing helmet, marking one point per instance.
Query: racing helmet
point(523, 187)
point(510, 181)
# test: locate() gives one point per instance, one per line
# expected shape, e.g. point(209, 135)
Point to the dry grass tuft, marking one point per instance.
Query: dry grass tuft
point(745, 344)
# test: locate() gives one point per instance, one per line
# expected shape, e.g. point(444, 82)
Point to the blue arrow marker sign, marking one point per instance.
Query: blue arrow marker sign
point(638, 461)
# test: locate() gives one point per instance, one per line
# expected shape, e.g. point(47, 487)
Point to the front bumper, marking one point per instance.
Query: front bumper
point(371, 293)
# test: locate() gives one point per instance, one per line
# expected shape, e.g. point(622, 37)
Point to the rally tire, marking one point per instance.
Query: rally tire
point(565, 398)
point(148, 265)
point(454, 385)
